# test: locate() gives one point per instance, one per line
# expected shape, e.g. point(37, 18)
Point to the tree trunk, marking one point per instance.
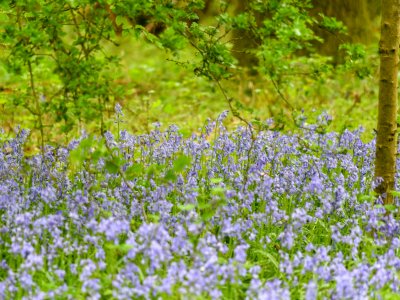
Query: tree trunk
point(244, 40)
point(356, 15)
point(386, 144)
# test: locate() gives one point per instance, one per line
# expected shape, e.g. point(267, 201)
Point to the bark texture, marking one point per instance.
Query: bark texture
point(386, 144)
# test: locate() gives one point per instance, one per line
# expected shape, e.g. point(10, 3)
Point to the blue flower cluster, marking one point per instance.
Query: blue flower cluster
point(219, 215)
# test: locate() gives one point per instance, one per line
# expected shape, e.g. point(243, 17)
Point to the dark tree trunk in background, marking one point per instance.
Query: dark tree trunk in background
point(386, 143)
point(357, 15)
point(374, 8)
point(244, 42)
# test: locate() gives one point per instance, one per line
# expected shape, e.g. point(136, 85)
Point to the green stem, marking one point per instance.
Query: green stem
point(38, 108)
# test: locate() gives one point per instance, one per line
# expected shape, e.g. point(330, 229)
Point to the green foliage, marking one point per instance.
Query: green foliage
point(181, 162)
point(56, 48)
point(62, 61)
point(332, 25)
point(356, 60)
point(63, 69)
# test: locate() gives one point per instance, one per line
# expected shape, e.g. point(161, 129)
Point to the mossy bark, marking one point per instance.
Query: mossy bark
point(386, 144)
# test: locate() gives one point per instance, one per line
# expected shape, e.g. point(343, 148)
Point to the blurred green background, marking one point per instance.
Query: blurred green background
point(153, 82)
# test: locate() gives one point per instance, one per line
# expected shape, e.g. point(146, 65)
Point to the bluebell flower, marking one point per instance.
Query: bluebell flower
point(311, 291)
point(118, 110)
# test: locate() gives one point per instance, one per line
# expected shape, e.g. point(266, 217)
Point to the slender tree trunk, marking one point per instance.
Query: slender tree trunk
point(386, 144)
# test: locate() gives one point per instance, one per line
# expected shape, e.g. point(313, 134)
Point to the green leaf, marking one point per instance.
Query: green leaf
point(153, 218)
point(187, 133)
point(390, 207)
point(113, 165)
point(186, 207)
point(119, 247)
point(154, 170)
point(170, 175)
point(269, 256)
point(207, 215)
point(217, 191)
point(133, 171)
point(181, 163)
point(81, 153)
point(216, 180)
